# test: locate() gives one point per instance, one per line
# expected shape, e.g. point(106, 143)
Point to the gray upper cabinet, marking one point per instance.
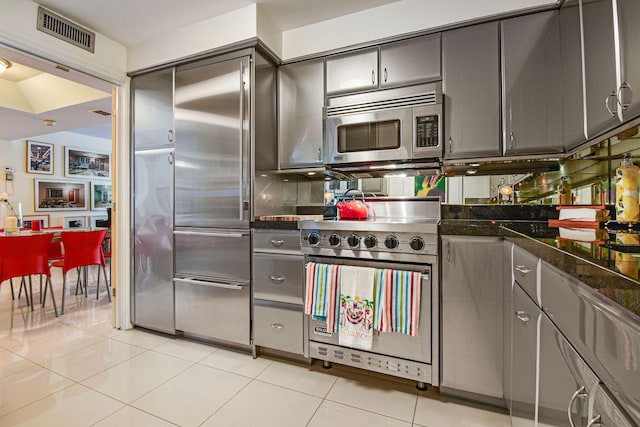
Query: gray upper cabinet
point(599, 67)
point(471, 84)
point(532, 87)
point(389, 65)
point(410, 61)
point(352, 71)
point(300, 101)
point(629, 70)
point(153, 109)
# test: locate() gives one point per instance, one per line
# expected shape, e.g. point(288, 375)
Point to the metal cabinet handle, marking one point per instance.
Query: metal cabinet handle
point(385, 74)
point(624, 104)
point(449, 251)
point(193, 281)
point(523, 270)
point(512, 140)
point(170, 158)
point(580, 393)
point(450, 145)
point(319, 153)
point(597, 420)
point(170, 135)
point(608, 105)
point(522, 316)
point(277, 326)
point(277, 279)
point(373, 77)
point(276, 243)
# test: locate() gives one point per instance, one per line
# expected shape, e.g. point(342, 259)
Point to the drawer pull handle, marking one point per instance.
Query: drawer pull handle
point(278, 279)
point(277, 243)
point(580, 393)
point(277, 326)
point(522, 316)
point(523, 270)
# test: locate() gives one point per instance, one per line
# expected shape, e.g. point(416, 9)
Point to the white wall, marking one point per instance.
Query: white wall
point(21, 189)
point(18, 30)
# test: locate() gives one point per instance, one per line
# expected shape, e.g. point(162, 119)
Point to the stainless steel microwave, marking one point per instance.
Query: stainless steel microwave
point(397, 125)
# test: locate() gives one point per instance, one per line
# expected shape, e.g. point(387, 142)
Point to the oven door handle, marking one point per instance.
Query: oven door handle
point(425, 274)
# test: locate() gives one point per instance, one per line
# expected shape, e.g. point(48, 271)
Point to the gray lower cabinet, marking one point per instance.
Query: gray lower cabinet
point(524, 350)
point(472, 317)
point(532, 84)
point(278, 288)
point(300, 102)
point(471, 85)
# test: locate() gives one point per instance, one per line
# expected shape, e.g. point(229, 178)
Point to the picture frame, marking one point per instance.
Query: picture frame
point(40, 157)
point(80, 162)
point(28, 219)
point(56, 195)
point(94, 221)
point(75, 222)
point(100, 195)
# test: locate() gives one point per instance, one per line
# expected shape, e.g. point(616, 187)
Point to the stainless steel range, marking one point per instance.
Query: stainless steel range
point(402, 234)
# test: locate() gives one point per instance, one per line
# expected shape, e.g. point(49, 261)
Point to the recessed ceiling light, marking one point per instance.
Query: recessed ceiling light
point(472, 171)
point(49, 122)
point(4, 64)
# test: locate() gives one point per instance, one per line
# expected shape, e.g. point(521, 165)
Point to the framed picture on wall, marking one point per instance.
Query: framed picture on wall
point(74, 222)
point(100, 195)
point(51, 195)
point(28, 220)
point(86, 163)
point(96, 221)
point(39, 157)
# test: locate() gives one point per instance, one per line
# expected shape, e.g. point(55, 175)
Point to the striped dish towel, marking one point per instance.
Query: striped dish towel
point(397, 301)
point(322, 293)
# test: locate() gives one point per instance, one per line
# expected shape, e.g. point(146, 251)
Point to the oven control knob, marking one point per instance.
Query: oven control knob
point(391, 242)
point(353, 240)
point(313, 238)
point(334, 240)
point(416, 243)
point(370, 241)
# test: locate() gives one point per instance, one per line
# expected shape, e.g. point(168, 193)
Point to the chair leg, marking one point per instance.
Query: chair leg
point(78, 280)
point(41, 298)
point(64, 285)
point(104, 272)
point(23, 284)
point(30, 293)
point(85, 276)
point(98, 284)
point(13, 295)
point(53, 298)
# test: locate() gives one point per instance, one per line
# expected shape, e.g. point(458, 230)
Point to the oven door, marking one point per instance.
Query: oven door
point(416, 348)
point(372, 136)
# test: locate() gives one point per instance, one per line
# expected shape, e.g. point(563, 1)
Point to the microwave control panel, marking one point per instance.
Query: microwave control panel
point(427, 131)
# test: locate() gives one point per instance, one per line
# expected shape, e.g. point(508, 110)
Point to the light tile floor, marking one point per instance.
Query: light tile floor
point(76, 370)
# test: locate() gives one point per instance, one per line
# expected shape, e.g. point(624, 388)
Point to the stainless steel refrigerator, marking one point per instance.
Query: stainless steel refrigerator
point(212, 192)
point(152, 134)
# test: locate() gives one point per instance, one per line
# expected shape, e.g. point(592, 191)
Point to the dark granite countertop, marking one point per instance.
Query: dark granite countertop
point(274, 225)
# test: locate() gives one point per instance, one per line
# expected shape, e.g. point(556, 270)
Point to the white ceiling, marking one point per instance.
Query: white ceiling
point(131, 22)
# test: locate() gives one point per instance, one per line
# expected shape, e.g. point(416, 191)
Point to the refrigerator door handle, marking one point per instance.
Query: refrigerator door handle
point(236, 234)
point(241, 157)
point(192, 281)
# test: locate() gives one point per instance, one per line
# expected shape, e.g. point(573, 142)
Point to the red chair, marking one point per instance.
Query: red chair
point(24, 256)
point(81, 249)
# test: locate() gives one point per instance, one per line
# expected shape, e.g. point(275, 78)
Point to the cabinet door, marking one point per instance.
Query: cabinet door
point(599, 66)
point(524, 351)
point(410, 61)
point(629, 72)
point(300, 102)
point(152, 118)
point(471, 72)
point(472, 322)
point(565, 380)
point(532, 87)
point(573, 121)
point(353, 71)
point(605, 411)
point(153, 237)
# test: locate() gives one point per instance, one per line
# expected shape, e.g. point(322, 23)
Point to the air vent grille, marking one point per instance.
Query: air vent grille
point(63, 29)
point(429, 98)
point(101, 112)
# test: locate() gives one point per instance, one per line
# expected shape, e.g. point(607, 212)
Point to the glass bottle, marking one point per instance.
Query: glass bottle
point(627, 209)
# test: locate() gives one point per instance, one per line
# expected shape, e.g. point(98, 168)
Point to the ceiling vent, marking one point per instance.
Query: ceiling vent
point(63, 29)
point(101, 112)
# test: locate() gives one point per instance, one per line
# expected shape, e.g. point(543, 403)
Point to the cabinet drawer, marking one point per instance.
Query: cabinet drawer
point(278, 277)
point(280, 240)
point(525, 271)
point(278, 327)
